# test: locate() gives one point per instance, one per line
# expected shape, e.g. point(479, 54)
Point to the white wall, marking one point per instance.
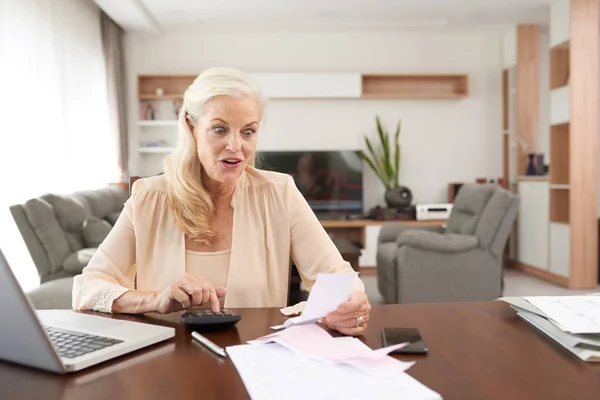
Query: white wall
point(442, 140)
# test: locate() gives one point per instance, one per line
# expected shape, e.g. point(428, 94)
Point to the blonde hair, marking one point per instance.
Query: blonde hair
point(182, 168)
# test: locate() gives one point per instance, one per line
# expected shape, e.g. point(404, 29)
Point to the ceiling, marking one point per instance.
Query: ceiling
point(159, 17)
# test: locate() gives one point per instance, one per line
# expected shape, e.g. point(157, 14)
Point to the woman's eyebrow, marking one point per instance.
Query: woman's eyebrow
point(218, 119)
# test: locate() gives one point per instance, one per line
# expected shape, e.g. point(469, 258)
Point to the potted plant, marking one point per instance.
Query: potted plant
point(385, 162)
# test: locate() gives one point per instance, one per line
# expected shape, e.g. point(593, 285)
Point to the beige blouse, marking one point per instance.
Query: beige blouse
point(272, 224)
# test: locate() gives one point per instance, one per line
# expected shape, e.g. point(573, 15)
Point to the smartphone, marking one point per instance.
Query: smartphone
point(412, 336)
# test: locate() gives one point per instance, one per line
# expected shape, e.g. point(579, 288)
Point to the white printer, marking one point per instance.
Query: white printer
point(433, 211)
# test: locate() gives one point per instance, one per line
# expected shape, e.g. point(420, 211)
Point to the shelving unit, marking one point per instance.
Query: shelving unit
point(520, 106)
point(564, 233)
point(573, 55)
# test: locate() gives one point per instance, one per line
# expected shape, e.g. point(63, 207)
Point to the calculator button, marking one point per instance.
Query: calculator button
point(208, 312)
point(218, 313)
point(227, 312)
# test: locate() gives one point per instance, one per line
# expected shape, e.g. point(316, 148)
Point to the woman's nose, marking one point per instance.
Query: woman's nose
point(234, 143)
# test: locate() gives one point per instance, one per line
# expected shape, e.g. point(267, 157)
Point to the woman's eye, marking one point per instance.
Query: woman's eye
point(219, 129)
point(249, 132)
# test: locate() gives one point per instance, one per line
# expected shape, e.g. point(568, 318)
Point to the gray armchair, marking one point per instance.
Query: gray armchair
point(462, 262)
point(62, 233)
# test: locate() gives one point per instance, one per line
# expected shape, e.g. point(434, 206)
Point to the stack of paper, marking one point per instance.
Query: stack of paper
point(571, 321)
point(304, 361)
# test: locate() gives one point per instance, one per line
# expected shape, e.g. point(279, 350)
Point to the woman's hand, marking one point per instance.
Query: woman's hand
point(188, 291)
point(351, 317)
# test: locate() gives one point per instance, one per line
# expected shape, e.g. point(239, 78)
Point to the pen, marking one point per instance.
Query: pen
point(211, 346)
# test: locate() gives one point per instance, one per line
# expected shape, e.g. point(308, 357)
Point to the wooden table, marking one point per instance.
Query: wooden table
point(476, 351)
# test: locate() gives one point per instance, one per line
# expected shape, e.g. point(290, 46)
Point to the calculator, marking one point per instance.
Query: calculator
point(209, 320)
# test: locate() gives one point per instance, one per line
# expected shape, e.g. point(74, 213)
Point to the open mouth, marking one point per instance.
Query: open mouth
point(231, 162)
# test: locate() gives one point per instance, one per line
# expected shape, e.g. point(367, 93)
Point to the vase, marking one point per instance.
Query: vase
point(531, 170)
point(399, 197)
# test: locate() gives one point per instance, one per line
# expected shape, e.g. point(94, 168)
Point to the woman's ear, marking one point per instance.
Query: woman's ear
point(188, 121)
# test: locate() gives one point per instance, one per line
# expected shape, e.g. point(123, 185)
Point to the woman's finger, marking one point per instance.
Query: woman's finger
point(193, 290)
point(214, 300)
point(336, 316)
point(350, 322)
point(178, 294)
point(356, 301)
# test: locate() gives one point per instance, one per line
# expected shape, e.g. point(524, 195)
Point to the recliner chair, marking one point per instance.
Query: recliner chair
point(462, 262)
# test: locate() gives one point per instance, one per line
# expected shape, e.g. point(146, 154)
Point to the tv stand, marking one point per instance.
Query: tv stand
point(355, 229)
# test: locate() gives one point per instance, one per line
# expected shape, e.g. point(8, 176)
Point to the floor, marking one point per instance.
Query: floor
point(516, 283)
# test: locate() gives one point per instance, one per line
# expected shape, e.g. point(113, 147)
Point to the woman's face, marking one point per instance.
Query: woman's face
point(226, 136)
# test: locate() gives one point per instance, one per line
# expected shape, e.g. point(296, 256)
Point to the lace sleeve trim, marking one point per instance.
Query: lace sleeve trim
point(103, 301)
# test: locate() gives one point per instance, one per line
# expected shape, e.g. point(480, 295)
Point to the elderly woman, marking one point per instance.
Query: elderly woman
point(213, 226)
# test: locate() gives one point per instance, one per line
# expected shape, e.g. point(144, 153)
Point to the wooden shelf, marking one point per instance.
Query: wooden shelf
point(559, 206)
point(559, 154)
point(367, 86)
point(559, 66)
point(173, 86)
point(415, 86)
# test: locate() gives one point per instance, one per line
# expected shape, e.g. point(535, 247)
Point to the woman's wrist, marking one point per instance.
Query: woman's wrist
point(136, 302)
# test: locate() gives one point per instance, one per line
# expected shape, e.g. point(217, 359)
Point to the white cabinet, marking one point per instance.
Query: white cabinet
point(533, 225)
point(560, 249)
point(560, 109)
point(369, 254)
point(310, 85)
point(509, 48)
point(560, 15)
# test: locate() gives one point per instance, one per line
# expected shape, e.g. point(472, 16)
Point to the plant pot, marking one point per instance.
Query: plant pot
point(399, 197)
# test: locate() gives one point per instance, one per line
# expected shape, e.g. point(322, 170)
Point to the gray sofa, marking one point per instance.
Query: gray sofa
point(462, 262)
point(62, 232)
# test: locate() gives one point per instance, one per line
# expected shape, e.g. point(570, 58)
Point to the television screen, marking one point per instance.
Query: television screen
point(331, 181)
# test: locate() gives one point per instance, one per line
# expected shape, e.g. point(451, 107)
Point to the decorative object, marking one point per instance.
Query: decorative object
point(531, 170)
point(159, 91)
point(385, 162)
point(399, 197)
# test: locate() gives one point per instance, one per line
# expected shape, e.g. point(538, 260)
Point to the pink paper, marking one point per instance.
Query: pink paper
point(312, 340)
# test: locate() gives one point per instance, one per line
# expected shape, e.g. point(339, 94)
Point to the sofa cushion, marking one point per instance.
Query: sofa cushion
point(469, 204)
point(56, 294)
point(49, 232)
point(113, 217)
point(105, 201)
point(70, 214)
point(95, 231)
point(77, 261)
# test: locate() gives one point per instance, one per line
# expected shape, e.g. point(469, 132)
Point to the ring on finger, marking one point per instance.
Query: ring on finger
point(359, 321)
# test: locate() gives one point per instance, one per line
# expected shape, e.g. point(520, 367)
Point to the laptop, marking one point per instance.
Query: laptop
point(64, 341)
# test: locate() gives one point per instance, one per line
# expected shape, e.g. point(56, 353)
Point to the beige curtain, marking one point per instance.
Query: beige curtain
point(112, 40)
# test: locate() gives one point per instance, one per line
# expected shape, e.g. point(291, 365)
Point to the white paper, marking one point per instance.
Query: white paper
point(575, 314)
point(328, 292)
point(270, 371)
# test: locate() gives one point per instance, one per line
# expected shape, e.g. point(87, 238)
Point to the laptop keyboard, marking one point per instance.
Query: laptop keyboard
point(69, 344)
